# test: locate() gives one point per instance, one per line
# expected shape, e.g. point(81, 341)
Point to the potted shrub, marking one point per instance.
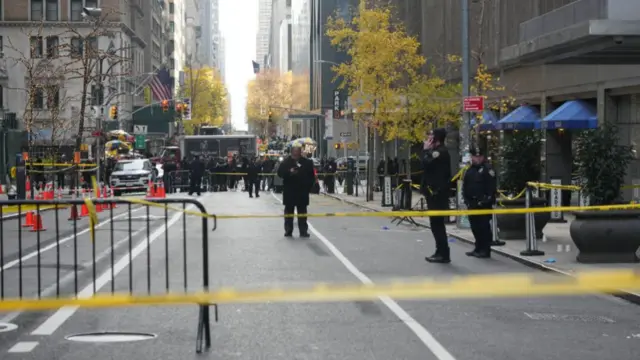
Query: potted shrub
point(519, 163)
point(601, 166)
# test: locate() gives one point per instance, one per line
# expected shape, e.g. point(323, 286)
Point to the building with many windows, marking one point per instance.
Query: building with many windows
point(46, 43)
point(263, 34)
point(176, 49)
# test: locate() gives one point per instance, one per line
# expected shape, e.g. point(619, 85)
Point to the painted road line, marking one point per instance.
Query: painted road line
point(421, 332)
point(56, 320)
point(23, 347)
point(33, 254)
point(51, 289)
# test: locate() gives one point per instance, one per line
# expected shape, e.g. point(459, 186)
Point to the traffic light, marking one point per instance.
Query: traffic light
point(113, 112)
point(165, 105)
point(270, 114)
point(179, 107)
point(337, 146)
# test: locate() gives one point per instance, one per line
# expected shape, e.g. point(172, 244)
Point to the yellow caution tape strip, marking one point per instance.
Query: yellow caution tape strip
point(413, 213)
point(474, 286)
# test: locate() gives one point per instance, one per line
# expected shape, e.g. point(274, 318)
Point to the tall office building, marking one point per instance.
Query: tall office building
point(176, 49)
point(222, 60)
point(280, 36)
point(264, 32)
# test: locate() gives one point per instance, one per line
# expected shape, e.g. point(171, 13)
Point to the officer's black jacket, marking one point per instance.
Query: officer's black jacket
point(479, 186)
point(197, 168)
point(436, 165)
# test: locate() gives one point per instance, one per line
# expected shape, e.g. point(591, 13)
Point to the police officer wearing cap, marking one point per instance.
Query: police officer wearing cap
point(436, 184)
point(479, 192)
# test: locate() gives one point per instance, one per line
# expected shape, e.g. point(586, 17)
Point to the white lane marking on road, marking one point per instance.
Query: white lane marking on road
point(56, 320)
point(70, 276)
point(32, 254)
point(421, 332)
point(23, 347)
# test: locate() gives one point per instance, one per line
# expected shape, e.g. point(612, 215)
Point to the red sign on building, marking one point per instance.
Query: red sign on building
point(473, 104)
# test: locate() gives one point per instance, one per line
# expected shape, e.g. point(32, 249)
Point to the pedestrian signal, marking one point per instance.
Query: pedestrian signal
point(113, 112)
point(165, 105)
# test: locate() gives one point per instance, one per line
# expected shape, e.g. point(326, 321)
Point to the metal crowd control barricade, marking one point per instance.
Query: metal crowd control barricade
point(494, 231)
point(137, 247)
point(179, 180)
point(530, 221)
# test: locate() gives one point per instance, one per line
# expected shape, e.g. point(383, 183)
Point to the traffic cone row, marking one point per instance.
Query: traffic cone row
point(156, 190)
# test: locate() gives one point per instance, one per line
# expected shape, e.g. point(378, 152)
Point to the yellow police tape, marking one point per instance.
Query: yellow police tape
point(474, 286)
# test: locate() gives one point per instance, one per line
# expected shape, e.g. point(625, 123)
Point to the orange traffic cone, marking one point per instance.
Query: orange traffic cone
point(161, 192)
point(73, 215)
point(37, 223)
point(84, 211)
point(150, 192)
point(113, 204)
point(28, 219)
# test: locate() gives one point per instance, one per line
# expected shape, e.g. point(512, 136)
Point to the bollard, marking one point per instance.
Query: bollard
point(494, 230)
point(532, 242)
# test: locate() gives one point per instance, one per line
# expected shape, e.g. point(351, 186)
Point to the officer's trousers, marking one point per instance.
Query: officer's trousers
point(438, 228)
point(303, 227)
point(195, 185)
point(481, 229)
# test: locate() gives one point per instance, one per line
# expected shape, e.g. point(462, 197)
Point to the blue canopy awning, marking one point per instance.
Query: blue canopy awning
point(489, 120)
point(525, 117)
point(574, 114)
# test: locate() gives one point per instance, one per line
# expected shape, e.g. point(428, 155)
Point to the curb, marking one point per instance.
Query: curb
point(625, 295)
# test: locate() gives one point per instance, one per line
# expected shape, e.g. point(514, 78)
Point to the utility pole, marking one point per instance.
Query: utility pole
point(464, 129)
point(462, 221)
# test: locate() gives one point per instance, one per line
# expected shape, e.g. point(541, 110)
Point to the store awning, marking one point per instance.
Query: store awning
point(526, 117)
point(489, 120)
point(574, 114)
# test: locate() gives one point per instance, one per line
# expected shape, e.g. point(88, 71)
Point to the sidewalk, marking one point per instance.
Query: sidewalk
point(559, 250)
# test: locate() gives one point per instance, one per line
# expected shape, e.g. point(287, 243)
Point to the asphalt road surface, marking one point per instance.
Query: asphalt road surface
point(168, 254)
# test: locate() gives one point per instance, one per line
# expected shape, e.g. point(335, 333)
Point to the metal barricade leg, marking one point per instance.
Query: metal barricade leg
point(494, 230)
point(532, 242)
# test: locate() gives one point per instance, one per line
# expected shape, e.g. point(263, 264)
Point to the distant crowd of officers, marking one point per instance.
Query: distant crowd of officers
point(258, 174)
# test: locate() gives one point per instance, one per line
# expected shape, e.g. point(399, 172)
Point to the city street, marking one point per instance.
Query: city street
point(246, 252)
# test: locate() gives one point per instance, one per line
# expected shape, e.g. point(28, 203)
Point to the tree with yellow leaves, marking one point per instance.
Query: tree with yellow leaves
point(209, 104)
point(268, 96)
point(383, 57)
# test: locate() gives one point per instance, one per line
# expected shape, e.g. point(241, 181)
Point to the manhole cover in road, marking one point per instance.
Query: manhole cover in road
point(6, 327)
point(110, 337)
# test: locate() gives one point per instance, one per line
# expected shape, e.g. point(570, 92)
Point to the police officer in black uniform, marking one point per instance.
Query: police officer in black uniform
point(197, 169)
point(479, 192)
point(435, 186)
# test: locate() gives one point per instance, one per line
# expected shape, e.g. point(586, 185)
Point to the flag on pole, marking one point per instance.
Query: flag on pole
point(162, 85)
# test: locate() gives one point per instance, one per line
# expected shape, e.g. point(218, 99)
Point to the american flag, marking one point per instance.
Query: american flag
point(162, 85)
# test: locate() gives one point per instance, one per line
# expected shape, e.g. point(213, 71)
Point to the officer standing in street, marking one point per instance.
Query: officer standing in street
point(197, 171)
point(479, 192)
point(297, 174)
point(436, 184)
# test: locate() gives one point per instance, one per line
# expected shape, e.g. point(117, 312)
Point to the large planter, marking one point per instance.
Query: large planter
point(513, 227)
point(606, 236)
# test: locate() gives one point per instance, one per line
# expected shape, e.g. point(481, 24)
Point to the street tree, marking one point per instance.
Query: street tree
point(99, 57)
point(209, 105)
point(268, 96)
point(383, 59)
point(36, 54)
